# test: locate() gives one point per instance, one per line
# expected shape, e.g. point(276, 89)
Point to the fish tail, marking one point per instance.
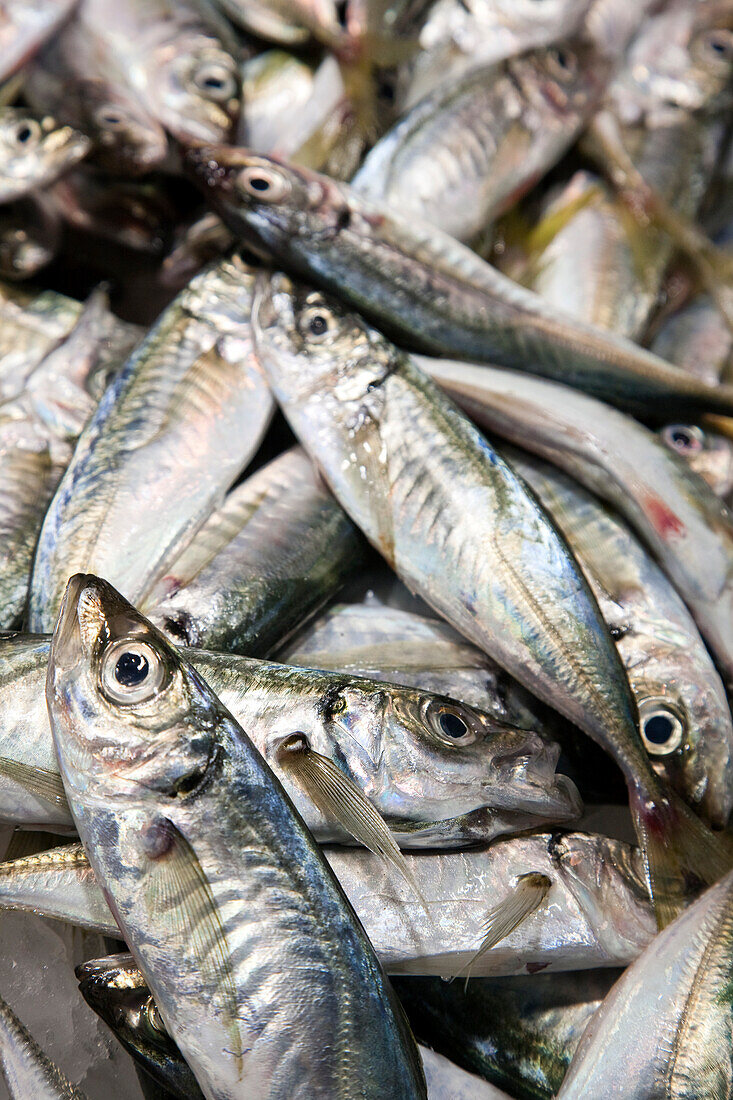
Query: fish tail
point(681, 854)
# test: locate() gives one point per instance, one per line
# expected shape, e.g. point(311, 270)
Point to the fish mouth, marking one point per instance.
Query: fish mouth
point(529, 775)
point(68, 645)
point(91, 610)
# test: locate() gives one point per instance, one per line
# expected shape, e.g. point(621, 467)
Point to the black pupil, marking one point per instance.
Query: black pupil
point(112, 120)
point(24, 134)
point(718, 45)
point(681, 439)
point(131, 669)
point(452, 725)
point(318, 325)
point(259, 184)
point(562, 59)
point(213, 82)
point(658, 729)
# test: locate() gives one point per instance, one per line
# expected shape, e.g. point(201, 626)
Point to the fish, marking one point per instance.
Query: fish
point(597, 912)
point(35, 150)
point(243, 934)
point(479, 778)
point(457, 38)
point(27, 1071)
point(180, 59)
point(32, 323)
point(466, 153)
point(275, 85)
point(697, 338)
point(38, 427)
point(461, 529)
point(275, 552)
point(190, 399)
point(195, 244)
point(519, 1033)
point(664, 1029)
point(686, 725)
point(79, 78)
point(424, 288)
point(286, 22)
point(30, 236)
point(24, 26)
point(135, 214)
point(707, 452)
point(673, 510)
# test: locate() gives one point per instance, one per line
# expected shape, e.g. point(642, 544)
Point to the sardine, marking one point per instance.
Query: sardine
point(664, 1029)
point(697, 339)
point(459, 527)
point(427, 289)
point(192, 404)
point(706, 452)
point(246, 940)
point(685, 717)
point(287, 22)
point(31, 325)
point(478, 778)
point(27, 1071)
point(466, 153)
point(678, 516)
point(275, 552)
point(34, 151)
point(597, 912)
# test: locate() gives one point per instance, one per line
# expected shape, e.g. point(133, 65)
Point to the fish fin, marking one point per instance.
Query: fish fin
point(179, 892)
point(338, 797)
point(681, 855)
point(38, 781)
point(528, 894)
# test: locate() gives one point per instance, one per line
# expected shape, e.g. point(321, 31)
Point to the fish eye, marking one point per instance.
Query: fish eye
point(263, 184)
point(215, 81)
point(109, 118)
point(684, 438)
point(26, 132)
point(561, 63)
point(662, 730)
point(450, 722)
point(719, 43)
point(131, 671)
point(317, 324)
point(154, 1017)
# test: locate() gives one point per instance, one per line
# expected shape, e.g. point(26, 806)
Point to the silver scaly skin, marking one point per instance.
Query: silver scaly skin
point(191, 403)
point(426, 288)
point(685, 717)
point(681, 520)
point(27, 1071)
point(35, 151)
point(697, 339)
point(466, 153)
point(596, 914)
point(664, 1030)
point(31, 325)
point(274, 553)
point(436, 788)
point(248, 944)
point(24, 27)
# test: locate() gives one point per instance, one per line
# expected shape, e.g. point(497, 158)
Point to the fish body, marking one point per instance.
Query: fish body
point(263, 563)
point(426, 289)
point(467, 152)
point(24, 26)
point(685, 717)
point(26, 1069)
point(35, 151)
point(286, 22)
point(31, 325)
point(190, 403)
point(250, 948)
point(664, 1030)
point(597, 913)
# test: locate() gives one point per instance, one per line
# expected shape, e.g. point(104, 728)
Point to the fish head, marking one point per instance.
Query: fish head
point(710, 455)
point(569, 76)
point(126, 137)
point(35, 150)
point(116, 990)
point(266, 199)
point(198, 93)
point(129, 719)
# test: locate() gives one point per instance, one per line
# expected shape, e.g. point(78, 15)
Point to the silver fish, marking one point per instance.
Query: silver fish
point(462, 531)
point(466, 153)
point(663, 1032)
point(685, 717)
point(31, 325)
point(426, 288)
point(697, 339)
point(706, 452)
point(27, 1071)
point(243, 934)
point(287, 22)
point(35, 151)
point(479, 778)
point(191, 398)
point(277, 549)
point(597, 911)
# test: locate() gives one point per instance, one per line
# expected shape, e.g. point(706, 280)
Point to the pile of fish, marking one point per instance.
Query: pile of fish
point(366, 561)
